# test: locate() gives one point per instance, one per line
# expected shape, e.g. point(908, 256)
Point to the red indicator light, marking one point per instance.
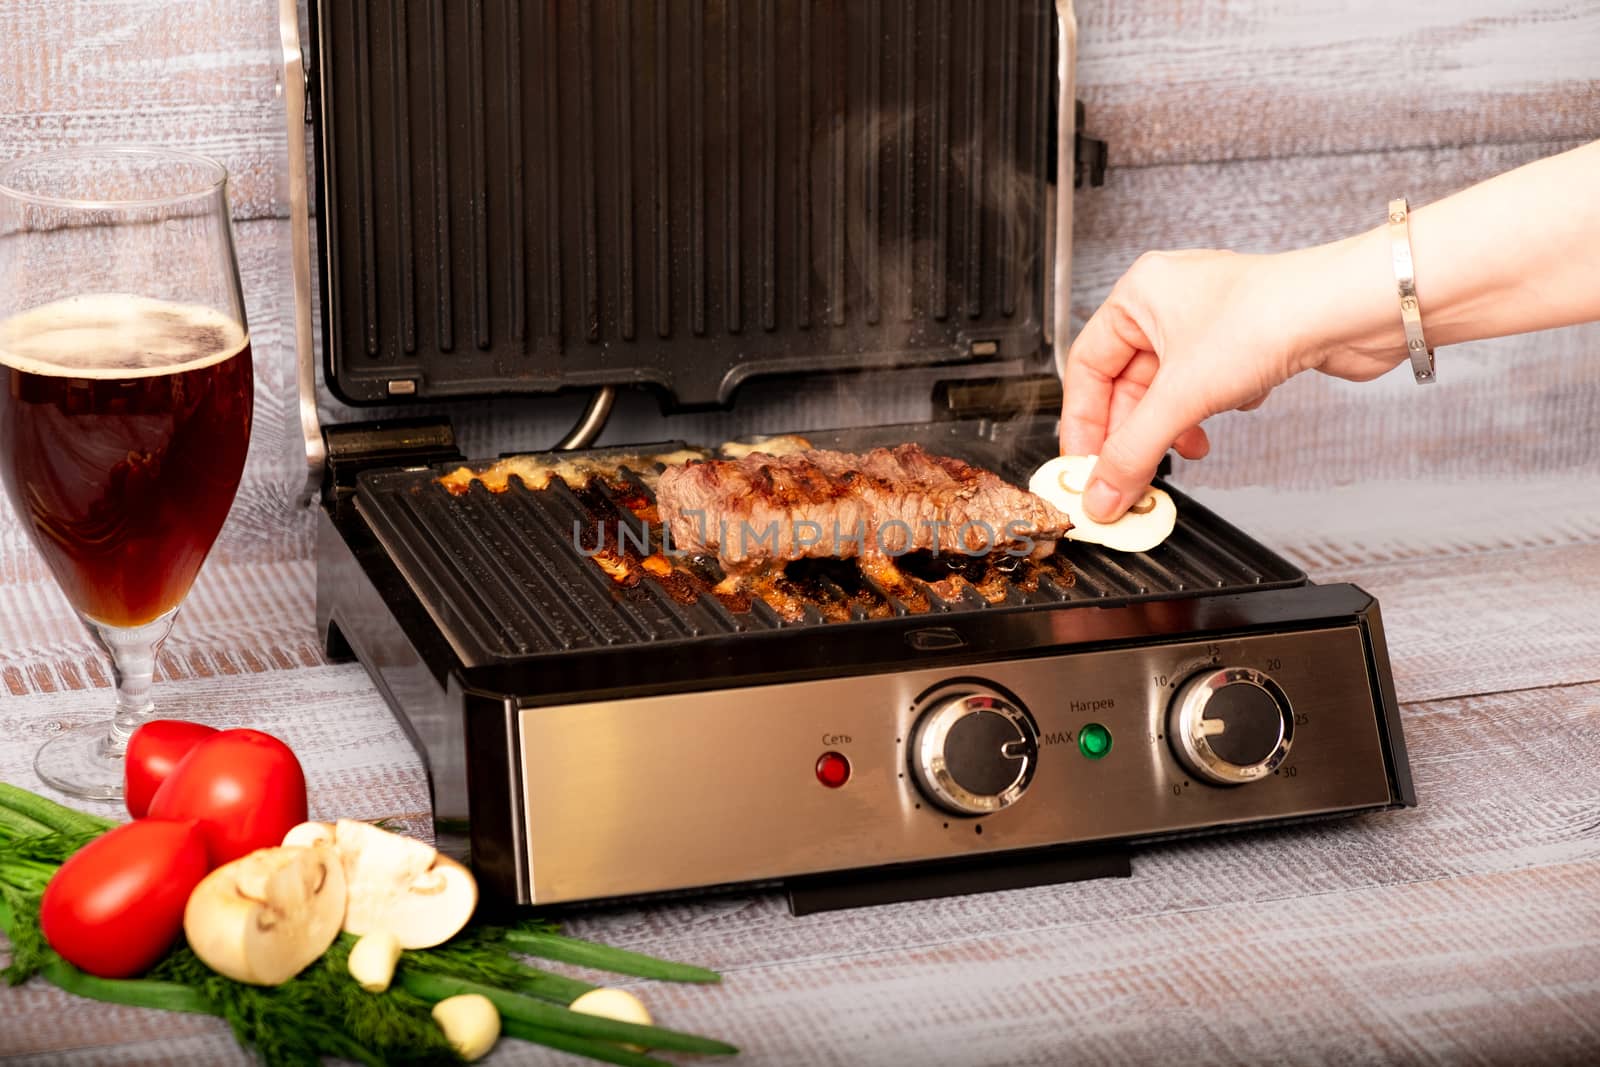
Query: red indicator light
point(833, 770)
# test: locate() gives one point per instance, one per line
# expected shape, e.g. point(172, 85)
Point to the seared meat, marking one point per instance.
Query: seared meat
point(884, 503)
point(537, 470)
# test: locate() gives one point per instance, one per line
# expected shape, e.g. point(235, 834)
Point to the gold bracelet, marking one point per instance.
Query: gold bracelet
point(1405, 274)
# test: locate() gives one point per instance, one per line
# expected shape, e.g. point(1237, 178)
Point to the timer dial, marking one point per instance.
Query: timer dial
point(973, 751)
point(1231, 725)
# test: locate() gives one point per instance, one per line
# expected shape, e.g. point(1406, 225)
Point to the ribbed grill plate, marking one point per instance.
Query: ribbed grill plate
point(504, 575)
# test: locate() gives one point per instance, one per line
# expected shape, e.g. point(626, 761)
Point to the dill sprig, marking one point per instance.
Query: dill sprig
point(320, 1012)
point(26, 866)
point(28, 949)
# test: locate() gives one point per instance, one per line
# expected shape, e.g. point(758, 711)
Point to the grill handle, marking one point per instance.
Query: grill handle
point(296, 93)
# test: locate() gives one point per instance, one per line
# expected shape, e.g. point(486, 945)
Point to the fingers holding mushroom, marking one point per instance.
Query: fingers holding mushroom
point(1146, 524)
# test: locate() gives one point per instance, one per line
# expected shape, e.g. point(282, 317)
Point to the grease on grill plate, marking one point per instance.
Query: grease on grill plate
point(519, 571)
point(615, 490)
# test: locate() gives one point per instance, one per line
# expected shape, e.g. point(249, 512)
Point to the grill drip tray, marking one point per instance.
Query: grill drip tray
point(518, 573)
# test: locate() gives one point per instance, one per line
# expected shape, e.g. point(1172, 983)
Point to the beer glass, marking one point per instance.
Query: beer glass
point(126, 407)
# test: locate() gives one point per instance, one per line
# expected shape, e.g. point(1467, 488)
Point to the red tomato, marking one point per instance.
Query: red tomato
point(153, 751)
point(117, 903)
point(244, 787)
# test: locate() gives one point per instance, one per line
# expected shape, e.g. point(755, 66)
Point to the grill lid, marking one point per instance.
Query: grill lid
point(518, 197)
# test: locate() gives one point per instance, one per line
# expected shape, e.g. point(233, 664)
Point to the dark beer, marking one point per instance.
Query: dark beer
point(124, 424)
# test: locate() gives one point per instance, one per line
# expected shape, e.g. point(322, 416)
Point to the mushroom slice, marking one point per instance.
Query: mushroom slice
point(264, 917)
point(1145, 525)
point(310, 833)
point(403, 886)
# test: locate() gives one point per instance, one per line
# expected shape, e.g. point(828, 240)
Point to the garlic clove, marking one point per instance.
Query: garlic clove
point(264, 917)
point(1062, 480)
point(617, 1004)
point(372, 960)
point(470, 1023)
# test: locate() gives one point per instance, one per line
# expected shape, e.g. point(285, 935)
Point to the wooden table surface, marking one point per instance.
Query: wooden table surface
point(1466, 930)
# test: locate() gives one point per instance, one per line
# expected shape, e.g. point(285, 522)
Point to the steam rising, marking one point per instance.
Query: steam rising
point(917, 297)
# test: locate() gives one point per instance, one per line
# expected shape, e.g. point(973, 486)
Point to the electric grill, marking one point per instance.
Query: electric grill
point(519, 198)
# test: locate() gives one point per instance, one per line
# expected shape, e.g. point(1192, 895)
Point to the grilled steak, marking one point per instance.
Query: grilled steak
point(764, 509)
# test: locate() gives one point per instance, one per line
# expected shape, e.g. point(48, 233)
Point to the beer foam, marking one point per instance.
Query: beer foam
point(115, 335)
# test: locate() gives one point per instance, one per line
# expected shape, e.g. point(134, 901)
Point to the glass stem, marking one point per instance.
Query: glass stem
point(133, 651)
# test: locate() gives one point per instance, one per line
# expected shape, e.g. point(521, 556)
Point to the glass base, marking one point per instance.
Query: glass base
point(87, 762)
point(82, 763)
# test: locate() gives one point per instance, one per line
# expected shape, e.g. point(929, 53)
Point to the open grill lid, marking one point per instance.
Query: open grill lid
point(519, 197)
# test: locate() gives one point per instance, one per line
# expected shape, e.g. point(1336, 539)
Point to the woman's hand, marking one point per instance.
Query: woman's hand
point(1186, 335)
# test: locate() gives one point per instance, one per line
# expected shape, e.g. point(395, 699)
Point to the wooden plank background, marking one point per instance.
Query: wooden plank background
point(1465, 931)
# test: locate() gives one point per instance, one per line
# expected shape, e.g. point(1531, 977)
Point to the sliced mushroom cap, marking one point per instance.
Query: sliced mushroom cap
point(264, 917)
point(403, 886)
point(309, 834)
point(1062, 480)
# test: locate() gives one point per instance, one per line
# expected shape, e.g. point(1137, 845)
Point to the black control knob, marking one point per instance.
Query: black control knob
point(1231, 725)
point(974, 751)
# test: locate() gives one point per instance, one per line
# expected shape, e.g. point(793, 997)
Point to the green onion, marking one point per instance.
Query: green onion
point(481, 956)
point(30, 860)
point(48, 814)
point(582, 1046)
point(137, 992)
point(20, 825)
point(604, 958)
point(434, 988)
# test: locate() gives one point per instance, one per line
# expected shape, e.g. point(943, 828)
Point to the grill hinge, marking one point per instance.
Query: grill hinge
point(997, 398)
point(1089, 155)
point(398, 443)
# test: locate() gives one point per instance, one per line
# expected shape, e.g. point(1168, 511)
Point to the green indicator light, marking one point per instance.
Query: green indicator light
point(1094, 740)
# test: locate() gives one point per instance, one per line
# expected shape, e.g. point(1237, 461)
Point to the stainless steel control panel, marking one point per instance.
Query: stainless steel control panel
point(693, 789)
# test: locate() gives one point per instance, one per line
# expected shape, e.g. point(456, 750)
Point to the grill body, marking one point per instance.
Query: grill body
point(595, 733)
